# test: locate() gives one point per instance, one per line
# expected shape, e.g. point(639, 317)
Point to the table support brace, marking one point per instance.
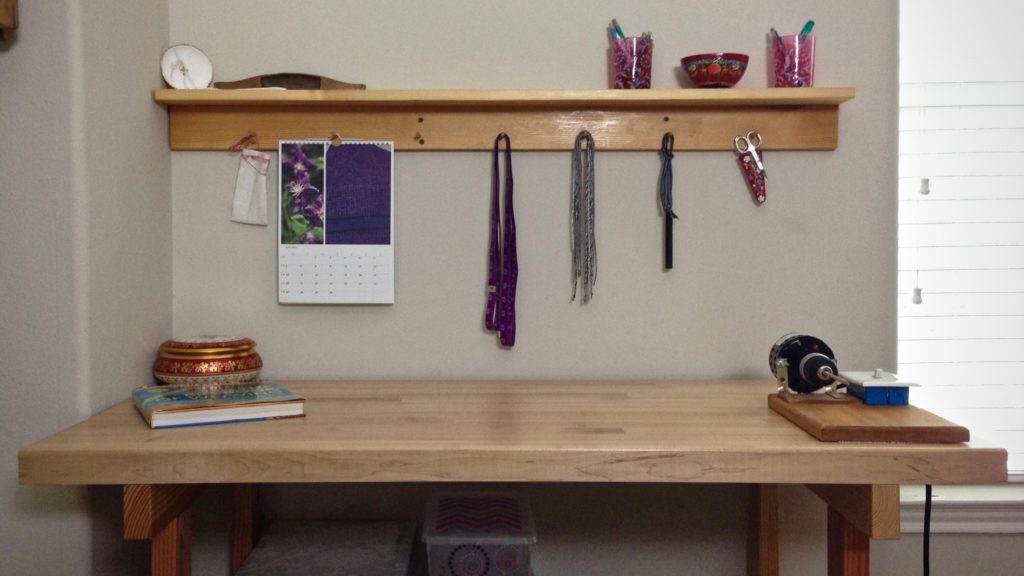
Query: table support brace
point(856, 514)
point(162, 514)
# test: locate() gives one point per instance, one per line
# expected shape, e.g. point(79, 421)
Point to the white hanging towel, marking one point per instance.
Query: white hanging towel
point(250, 203)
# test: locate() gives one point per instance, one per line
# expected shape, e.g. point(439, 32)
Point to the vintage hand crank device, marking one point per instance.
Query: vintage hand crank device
point(804, 364)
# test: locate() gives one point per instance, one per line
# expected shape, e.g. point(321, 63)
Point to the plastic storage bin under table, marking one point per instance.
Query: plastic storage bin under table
point(485, 534)
point(332, 548)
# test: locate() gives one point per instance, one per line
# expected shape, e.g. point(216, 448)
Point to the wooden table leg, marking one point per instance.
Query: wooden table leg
point(848, 547)
point(856, 514)
point(170, 548)
point(162, 514)
point(243, 530)
point(763, 531)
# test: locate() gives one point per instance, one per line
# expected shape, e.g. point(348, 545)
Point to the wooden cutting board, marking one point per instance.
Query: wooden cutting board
point(857, 422)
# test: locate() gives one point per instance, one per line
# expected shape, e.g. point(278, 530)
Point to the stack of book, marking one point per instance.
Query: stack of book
point(170, 406)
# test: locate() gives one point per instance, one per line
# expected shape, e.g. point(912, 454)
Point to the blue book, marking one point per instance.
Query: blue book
point(171, 406)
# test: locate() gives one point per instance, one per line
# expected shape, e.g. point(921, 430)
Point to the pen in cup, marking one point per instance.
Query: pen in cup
point(780, 49)
point(806, 31)
point(617, 29)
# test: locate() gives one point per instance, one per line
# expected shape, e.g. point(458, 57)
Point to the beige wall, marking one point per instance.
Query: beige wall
point(39, 347)
point(744, 276)
point(84, 254)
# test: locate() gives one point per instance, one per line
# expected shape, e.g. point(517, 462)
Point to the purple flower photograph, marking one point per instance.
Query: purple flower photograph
point(302, 193)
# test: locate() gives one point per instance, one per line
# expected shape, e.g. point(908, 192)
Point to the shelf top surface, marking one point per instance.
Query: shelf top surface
point(511, 98)
point(432, 431)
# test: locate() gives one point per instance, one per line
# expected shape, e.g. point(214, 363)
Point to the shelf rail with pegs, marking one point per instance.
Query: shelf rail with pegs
point(701, 119)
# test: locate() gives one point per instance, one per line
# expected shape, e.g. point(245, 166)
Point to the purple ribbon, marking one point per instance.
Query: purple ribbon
point(503, 265)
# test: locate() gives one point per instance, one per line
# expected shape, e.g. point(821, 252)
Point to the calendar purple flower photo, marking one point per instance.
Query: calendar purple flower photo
point(302, 193)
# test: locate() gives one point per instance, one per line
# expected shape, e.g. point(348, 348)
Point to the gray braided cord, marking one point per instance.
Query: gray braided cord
point(582, 239)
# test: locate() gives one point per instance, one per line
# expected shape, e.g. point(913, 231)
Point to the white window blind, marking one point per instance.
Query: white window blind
point(962, 244)
point(962, 126)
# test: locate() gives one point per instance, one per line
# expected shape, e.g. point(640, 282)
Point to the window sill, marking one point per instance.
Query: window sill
point(966, 509)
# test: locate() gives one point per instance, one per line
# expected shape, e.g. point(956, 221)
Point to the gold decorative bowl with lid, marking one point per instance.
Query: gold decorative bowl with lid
point(208, 361)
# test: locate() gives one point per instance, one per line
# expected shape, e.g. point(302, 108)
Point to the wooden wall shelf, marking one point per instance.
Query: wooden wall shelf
point(8, 18)
point(788, 118)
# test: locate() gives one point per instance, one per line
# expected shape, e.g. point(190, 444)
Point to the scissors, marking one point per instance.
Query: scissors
point(748, 145)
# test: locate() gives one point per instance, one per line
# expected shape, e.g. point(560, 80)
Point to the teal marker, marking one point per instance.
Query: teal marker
point(807, 29)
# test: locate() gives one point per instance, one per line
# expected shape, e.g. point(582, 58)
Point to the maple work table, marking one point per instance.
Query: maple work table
point(712, 431)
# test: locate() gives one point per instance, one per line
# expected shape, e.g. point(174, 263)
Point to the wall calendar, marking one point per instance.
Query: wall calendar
point(336, 226)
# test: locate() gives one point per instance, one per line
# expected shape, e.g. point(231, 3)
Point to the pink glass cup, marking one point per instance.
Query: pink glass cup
point(631, 62)
point(793, 61)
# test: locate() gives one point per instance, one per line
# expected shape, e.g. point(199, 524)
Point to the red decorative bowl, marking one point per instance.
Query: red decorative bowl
point(720, 70)
point(208, 361)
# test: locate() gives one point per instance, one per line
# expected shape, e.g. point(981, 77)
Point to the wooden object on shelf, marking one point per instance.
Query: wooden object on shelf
point(8, 18)
point(788, 118)
point(512, 431)
point(290, 81)
point(858, 422)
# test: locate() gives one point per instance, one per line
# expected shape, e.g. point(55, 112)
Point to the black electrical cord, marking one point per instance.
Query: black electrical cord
point(927, 525)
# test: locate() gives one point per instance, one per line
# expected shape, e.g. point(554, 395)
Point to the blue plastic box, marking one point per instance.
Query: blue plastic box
point(878, 388)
